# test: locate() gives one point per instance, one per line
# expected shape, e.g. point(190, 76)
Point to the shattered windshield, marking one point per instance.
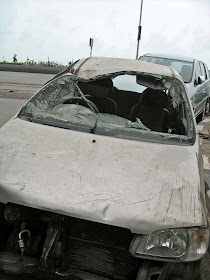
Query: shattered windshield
point(119, 103)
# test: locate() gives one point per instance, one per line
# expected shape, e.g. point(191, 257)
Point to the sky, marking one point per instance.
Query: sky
point(60, 30)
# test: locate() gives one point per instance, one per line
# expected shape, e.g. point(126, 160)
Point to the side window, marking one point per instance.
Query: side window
point(198, 70)
point(197, 73)
point(203, 71)
point(207, 71)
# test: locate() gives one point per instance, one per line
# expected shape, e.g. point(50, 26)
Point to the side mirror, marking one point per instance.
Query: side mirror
point(201, 79)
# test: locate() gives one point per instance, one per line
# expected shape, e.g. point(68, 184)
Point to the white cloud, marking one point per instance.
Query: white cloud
point(61, 29)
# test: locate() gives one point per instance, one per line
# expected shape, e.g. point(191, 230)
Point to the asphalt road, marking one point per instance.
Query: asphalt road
point(8, 108)
point(19, 85)
point(15, 89)
point(21, 78)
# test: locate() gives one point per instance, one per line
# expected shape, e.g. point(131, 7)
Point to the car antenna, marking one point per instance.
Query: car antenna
point(91, 46)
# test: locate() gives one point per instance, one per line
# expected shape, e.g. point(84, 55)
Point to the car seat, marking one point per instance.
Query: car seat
point(98, 92)
point(152, 110)
point(104, 104)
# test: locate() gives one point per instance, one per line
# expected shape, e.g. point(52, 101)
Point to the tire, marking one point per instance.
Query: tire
point(207, 107)
point(200, 117)
point(205, 111)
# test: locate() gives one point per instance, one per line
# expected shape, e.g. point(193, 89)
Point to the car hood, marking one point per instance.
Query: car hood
point(137, 185)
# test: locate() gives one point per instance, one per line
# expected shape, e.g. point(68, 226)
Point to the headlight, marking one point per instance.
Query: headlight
point(172, 244)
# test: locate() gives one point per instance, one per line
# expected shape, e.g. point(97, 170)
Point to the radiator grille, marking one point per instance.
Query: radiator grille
point(99, 249)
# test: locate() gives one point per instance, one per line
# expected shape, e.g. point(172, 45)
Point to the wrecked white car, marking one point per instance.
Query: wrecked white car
point(101, 177)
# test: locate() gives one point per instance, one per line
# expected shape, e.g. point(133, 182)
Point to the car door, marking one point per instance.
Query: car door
point(201, 89)
point(207, 79)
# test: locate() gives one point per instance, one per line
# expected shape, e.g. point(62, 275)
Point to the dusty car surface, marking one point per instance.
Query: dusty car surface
point(194, 73)
point(101, 177)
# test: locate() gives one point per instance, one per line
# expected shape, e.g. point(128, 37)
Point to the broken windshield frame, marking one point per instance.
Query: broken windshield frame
point(51, 102)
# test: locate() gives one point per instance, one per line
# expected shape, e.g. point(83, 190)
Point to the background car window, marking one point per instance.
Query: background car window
point(207, 71)
point(203, 71)
point(183, 67)
point(198, 71)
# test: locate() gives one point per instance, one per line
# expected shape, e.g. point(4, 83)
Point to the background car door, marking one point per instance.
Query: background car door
point(201, 88)
point(208, 80)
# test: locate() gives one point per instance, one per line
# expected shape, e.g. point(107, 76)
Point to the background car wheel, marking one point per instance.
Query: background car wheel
point(207, 107)
point(205, 112)
point(201, 116)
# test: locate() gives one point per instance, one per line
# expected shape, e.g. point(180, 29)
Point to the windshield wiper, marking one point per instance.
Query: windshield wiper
point(92, 106)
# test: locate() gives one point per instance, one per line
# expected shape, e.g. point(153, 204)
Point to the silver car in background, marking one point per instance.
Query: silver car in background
point(195, 75)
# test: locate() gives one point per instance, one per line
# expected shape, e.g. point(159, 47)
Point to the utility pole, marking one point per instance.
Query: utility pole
point(139, 31)
point(91, 46)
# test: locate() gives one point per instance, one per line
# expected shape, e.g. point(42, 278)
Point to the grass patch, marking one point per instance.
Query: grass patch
point(34, 63)
point(14, 63)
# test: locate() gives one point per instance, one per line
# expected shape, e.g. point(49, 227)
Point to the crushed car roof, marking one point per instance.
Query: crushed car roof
point(90, 68)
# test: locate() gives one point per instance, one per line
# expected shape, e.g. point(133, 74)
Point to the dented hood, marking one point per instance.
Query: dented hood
point(137, 185)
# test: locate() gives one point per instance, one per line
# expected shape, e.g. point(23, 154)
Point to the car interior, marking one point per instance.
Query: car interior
point(147, 102)
point(153, 107)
